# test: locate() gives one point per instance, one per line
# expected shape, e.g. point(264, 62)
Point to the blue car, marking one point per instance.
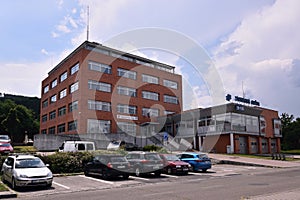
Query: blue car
point(198, 161)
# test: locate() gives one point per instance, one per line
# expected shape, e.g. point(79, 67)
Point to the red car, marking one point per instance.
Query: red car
point(6, 148)
point(173, 165)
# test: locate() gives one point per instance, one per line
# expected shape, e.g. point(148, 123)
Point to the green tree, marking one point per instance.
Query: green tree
point(290, 132)
point(20, 121)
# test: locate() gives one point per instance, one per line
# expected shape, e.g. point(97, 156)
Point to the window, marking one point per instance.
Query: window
point(73, 106)
point(74, 87)
point(127, 127)
point(100, 67)
point(64, 76)
point(63, 93)
point(127, 73)
point(150, 79)
point(44, 131)
point(168, 112)
point(171, 84)
point(54, 83)
point(51, 130)
point(53, 99)
point(127, 91)
point(46, 89)
point(170, 99)
point(44, 118)
point(98, 105)
point(72, 125)
point(98, 126)
point(150, 112)
point(45, 103)
point(126, 109)
point(75, 68)
point(61, 128)
point(52, 115)
point(62, 111)
point(94, 85)
point(150, 95)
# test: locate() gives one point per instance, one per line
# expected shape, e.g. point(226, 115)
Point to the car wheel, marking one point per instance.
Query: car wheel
point(157, 173)
point(137, 171)
point(104, 175)
point(13, 184)
point(49, 185)
point(169, 170)
point(125, 176)
point(193, 168)
point(86, 172)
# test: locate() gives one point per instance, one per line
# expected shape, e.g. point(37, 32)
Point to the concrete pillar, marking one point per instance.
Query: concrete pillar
point(231, 143)
point(200, 143)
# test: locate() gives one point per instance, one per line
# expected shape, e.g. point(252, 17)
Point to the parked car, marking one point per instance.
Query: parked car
point(198, 161)
point(6, 148)
point(110, 165)
point(74, 146)
point(173, 165)
point(145, 163)
point(26, 170)
point(115, 145)
point(5, 138)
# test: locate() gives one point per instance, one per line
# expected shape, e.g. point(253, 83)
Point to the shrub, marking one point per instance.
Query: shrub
point(67, 162)
point(151, 148)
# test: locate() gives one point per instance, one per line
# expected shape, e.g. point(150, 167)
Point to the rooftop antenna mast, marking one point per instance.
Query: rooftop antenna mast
point(87, 24)
point(243, 89)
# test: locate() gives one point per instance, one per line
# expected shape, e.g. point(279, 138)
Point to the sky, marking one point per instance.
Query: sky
point(252, 45)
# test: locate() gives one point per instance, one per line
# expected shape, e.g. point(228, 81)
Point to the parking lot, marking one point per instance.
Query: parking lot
point(77, 183)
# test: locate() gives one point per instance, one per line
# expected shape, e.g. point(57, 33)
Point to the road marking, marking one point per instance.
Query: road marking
point(66, 187)
point(198, 174)
point(140, 178)
point(96, 179)
point(171, 176)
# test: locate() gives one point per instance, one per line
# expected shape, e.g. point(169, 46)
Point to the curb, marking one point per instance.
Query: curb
point(7, 194)
point(245, 164)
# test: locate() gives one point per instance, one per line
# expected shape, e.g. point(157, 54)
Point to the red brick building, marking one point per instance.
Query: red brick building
point(100, 90)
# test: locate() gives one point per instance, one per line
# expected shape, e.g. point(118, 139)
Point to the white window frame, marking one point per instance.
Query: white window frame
point(126, 109)
point(150, 95)
point(98, 126)
point(170, 84)
point(64, 76)
point(54, 83)
point(126, 91)
point(127, 73)
point(150, 79)
point(74, 69)
point(100, 67)
point(53, 99)
point(99, 105)
point(74, 87)
point(46, 89)
point(100, 86)
point(170, 99)
point(63, 93)
point(150, 112)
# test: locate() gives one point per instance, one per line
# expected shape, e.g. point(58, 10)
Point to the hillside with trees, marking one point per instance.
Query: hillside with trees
point(290, 132)
point(19, 116)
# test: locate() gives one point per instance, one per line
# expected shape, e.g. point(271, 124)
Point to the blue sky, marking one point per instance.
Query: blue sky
point(254, 43)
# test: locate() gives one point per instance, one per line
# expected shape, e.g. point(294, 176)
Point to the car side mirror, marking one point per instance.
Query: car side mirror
point(47, 165)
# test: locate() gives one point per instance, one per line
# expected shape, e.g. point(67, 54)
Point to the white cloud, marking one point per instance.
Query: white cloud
point(263, 52)
point(45, 52)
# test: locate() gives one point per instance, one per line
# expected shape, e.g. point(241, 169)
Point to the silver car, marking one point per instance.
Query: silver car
point(26, 170)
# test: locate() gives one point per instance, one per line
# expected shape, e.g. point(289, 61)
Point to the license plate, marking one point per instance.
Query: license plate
point(185, 169)
point(156, 167)
point(121, 167)
point(35, 181)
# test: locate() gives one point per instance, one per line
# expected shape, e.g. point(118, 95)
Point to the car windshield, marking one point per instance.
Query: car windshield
point(29, 163)
point(152, 157)
point(118, 159)
point(172, 158)
point(4, 137)
point(5, 145)
point(202, 156)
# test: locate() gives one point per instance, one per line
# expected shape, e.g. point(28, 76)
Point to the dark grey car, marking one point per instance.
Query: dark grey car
point(145, 163)
point(106, 166)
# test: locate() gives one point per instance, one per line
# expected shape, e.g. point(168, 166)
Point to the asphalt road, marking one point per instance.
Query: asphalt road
point(222, 182)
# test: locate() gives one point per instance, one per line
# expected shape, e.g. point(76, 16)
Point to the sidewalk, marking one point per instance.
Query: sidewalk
point(240, 160)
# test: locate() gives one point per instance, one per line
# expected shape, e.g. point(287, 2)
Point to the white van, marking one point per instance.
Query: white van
point(73, 146)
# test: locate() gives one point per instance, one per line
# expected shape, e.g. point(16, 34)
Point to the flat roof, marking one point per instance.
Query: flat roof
point(94, 46)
